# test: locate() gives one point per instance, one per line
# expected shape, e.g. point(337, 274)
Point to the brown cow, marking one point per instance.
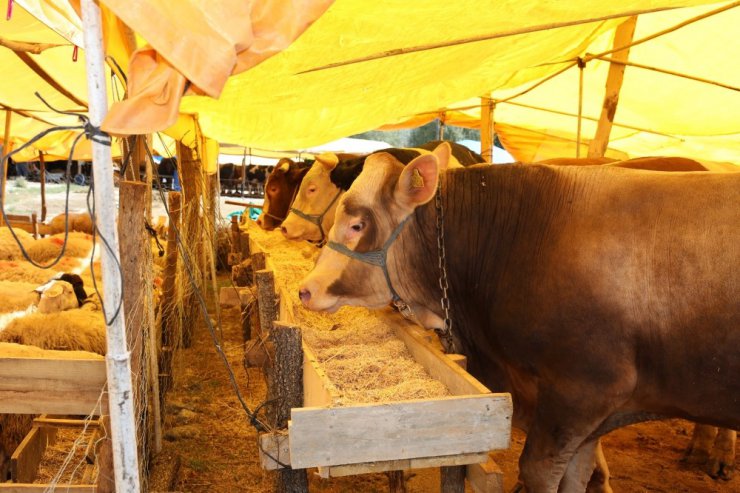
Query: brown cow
point(590, 289)
point(280, 189)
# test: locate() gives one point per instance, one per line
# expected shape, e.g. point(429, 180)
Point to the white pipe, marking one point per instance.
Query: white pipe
point(118, 359)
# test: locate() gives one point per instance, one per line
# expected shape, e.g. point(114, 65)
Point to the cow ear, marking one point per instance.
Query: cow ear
point(284, 167)
point(418, 181)
point(328, 159)
point(443, 152)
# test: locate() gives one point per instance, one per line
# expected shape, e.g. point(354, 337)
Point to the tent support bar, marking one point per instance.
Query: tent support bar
point(623, 36)
point(42, 170)
point(667, 72)
point(118, 358)
point(487, 37)
point(574, 115)
point(487, 132)
point(666, 31)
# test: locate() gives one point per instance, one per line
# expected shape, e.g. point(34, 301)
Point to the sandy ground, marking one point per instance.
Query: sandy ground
point(208, 434)
point(26, 199)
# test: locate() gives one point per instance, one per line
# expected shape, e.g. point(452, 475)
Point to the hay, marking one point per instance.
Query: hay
point(357, 349)
point(56, 454)
point(76, 329)
point(16, 296)
point(8, 247)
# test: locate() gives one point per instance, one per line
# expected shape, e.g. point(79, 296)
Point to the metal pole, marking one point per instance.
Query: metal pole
point(118, 358)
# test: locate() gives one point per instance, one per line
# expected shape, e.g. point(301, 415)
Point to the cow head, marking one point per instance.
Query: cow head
point(312, 213)
point(279, 190)
point(374, 215)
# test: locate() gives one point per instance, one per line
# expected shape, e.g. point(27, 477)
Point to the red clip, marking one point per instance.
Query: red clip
point(9, 12)
point(74, 53)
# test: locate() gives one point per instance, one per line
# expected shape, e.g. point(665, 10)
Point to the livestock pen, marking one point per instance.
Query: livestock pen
point(367, 392)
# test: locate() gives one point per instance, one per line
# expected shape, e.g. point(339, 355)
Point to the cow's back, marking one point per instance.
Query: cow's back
point(616, 265)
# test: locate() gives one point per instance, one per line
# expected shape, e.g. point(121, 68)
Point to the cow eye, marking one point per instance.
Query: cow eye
point(358, 226)
point(311, 189)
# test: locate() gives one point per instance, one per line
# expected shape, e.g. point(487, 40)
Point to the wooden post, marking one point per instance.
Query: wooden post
point(169, 293)
point(259, 262)
point(622, 37)
point(487, 134)
point(286, 392)
point(396, 482)
point(6, 151)
point(42, 168)
point(104, 454)
point(266, 299)
point(235, 236)
point(136, 262)
point(453, 479)
point(192, 192)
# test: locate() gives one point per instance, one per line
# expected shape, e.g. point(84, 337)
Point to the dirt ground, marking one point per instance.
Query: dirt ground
point(208, 435)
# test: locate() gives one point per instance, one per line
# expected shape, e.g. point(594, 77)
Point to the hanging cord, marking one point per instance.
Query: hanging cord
point(253, 418)
point(581, 66)
point(97, 135)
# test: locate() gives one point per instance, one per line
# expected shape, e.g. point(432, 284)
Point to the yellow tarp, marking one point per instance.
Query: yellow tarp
point(285, 103)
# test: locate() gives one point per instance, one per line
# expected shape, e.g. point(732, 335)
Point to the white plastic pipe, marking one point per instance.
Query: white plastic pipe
point(118, 359)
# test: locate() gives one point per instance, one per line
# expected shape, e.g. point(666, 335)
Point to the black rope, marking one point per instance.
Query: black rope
point(153, 233)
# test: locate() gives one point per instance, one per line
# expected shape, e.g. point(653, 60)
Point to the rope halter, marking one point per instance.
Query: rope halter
point(379, 258)
point(317, 219)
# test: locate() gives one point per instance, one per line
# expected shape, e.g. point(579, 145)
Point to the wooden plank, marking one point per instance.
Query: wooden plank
point(54, 386)
point(318, 391)
point(66, 423)
point(402, 464)
point(435, 362)
point(287, 311)
point(486, 477)
point(24, 462)
point(622, 37)
point(42, 488)
point(228, 296)
point(402, 430)
point(274, 447)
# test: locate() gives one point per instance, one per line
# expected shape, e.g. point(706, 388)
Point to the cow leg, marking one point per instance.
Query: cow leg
point(556, 435)
point(581, 468)
point(721, 462)
point(702, 441)
point(599, 482)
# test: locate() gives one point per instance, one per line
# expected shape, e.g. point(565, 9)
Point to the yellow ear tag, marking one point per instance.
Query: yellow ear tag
point(417, 181)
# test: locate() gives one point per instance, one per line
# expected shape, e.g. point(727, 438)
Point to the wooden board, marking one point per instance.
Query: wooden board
point(399, 430)
point(486, 477)
point(401, 465)
point(24, 462)
point(42, 488)
point(318, 391)
point(435, 362)
point(53, 386)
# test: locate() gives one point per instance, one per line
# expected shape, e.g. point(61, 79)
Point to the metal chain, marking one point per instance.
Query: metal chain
point(444, 333)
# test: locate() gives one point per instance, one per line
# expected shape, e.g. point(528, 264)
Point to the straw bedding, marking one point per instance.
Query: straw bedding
point(356, 348)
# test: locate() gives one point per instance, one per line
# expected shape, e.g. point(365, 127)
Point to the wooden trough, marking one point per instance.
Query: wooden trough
point(54, 385)
point(452, 431)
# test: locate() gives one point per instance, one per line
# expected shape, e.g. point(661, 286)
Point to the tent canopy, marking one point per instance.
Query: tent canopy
point(389, 64)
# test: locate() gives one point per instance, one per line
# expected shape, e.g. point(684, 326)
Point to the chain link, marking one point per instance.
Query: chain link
point(445, 333)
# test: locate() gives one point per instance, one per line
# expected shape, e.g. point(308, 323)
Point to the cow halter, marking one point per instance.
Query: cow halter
point(379, 258)
point(281, 219)
point(317, 219)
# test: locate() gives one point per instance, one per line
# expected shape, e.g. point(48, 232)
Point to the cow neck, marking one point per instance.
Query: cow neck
point(317, 219)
